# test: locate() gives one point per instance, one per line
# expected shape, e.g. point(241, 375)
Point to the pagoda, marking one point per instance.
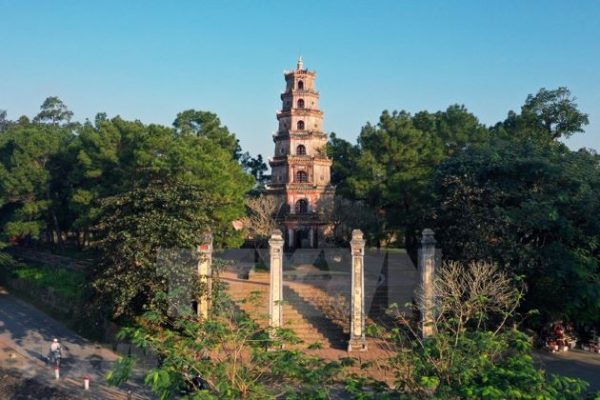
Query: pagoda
point(300, 168)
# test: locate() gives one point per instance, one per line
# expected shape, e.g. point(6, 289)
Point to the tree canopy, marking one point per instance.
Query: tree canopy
point(511, 193)
point(123, 187)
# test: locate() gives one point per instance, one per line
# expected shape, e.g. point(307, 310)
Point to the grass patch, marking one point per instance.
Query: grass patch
point(63, 281)
point(67, 283)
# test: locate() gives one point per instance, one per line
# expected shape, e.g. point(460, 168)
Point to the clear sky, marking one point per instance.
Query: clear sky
point(149, 60)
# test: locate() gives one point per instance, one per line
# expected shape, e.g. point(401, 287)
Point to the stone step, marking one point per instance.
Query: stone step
point(301, 310)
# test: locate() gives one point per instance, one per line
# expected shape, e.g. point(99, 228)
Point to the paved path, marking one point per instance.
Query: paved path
point(574, 363)
point(25, 335)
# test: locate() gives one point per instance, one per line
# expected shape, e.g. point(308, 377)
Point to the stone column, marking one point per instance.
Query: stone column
point(311, 238)
point(358, 341)
point(276, 284)
point(426, 276)
point(205, 274)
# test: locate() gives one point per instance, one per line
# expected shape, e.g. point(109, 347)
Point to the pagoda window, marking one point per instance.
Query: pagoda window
point(301, 206)
point(301, 150)
point(300, 85)
point(300, 125)
point(301, 177)
point(300, 103)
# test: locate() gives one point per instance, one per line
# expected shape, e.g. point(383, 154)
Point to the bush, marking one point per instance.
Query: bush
point(481, 365)
point(475, 350)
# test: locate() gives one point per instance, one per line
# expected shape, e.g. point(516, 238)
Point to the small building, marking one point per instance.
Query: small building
point(301, 170)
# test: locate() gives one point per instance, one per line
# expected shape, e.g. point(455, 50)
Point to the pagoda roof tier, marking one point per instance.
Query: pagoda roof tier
point(298, 92)
point(299, 72)
point(300, 160)
point(299, 112)
point(304, 187)
point(307, 187)
point(295, 134)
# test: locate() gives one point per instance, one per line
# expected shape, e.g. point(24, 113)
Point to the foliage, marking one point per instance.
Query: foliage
point(545, 117)
point(472, 353)
point(184, 186)
point(136, 225)
point(53, 173)
point(480, 364)
point(122, 185)
point(511, 194)
point(63, 281)
point(256, 167)
point(28, 156)
point(226, 356)
point(534, 209)
point(208, 125)
point(4, 123)
point(392, 165)
point(53, 111)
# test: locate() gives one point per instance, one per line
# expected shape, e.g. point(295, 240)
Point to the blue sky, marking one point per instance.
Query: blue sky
point(149, 60)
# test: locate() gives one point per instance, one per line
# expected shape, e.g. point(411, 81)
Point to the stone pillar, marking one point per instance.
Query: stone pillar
point(311, 238)
point(276, 284)
point(358, 341)
point(427, 261)
point(205, 274)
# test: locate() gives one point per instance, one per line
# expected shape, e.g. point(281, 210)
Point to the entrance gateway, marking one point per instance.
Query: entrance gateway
point(301, 170)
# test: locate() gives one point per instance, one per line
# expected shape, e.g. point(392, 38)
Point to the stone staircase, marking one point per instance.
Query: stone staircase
point(305, 312)
point(303, 309)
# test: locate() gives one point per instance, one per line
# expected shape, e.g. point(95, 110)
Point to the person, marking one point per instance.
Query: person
point(55, 350)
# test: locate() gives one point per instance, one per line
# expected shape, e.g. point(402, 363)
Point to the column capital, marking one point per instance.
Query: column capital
point(428, 237)
point(357, 243)
point(206, 243)
point(276, 238)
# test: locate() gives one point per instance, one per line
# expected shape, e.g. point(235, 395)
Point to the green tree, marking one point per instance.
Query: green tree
point(533, 209)
point(28, 155)
point(53, 111)
point(392, 165)
point(4, 123)
point(97, 160)
point(547, 116)
point(256, 167)
point(204, 123)
point(345, 156)
point(177, 187)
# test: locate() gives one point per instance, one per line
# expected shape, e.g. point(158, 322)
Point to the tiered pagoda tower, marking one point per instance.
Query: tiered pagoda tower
point(300, 168)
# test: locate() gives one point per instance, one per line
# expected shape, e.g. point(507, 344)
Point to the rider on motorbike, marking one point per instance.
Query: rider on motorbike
point(55, 351)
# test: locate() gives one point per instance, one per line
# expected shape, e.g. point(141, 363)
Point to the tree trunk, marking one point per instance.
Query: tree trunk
point(59, 234)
